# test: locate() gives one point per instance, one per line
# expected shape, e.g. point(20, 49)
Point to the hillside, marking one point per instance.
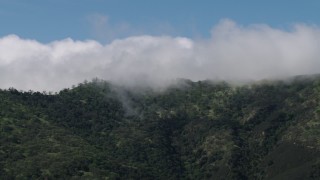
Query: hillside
point(194, 130)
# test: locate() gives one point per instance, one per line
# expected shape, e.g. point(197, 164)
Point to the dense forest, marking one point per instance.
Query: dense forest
point(192, 130)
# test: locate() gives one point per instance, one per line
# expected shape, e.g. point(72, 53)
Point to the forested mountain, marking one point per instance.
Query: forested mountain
point(193, 130)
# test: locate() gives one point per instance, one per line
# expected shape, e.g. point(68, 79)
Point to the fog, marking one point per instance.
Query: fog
point(232, 52)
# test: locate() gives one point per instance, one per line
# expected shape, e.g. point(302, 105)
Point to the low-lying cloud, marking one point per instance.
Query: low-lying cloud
point(233, 52)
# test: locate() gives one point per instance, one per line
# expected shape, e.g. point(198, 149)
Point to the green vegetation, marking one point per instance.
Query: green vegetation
point(195, 130)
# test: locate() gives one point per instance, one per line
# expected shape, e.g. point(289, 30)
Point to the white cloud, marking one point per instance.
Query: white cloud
point(232, 52)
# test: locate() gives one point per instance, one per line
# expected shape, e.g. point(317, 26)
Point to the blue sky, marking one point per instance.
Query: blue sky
point(49, 20)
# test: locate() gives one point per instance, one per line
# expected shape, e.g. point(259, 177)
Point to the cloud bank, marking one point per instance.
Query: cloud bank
point(233, 52)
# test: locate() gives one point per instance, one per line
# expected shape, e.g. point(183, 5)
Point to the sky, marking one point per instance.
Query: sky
point(53, 44)
point(49, 20)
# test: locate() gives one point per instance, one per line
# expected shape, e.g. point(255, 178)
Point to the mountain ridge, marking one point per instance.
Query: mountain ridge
point(200, 130)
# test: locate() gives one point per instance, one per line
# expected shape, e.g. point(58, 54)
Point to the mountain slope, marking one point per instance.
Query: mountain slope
point(194, 130)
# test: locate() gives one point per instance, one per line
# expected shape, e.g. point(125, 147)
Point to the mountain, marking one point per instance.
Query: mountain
point(193, 130)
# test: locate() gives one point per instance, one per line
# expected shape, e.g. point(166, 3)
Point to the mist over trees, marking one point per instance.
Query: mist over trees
point(232, 52)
